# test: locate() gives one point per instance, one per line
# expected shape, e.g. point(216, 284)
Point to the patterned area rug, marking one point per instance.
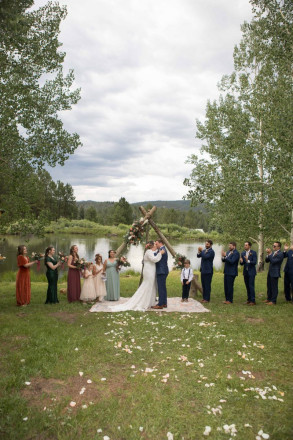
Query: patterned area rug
point(174, 305)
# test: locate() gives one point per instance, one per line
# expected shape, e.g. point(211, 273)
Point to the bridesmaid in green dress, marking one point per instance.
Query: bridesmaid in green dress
point(113, 281)
point(52, 275)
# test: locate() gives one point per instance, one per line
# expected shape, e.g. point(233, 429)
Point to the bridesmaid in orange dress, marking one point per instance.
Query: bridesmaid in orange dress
point(73, 278)
point(23, 279)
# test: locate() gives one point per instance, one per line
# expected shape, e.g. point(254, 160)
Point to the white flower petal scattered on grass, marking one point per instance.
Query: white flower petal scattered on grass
point(99, 430)
point(261, 434)
point(22, 360)
point(103, 379)
point(141, 428)
point(80, 373)
point(76, 349)
point(170, 436)
point(25, 419)
point(247, 425)
point(82, 390)
point(207, 430)
point(84, 406)
point(72, 404)
point(27, 383)
point(106, 437)
point(89, 381)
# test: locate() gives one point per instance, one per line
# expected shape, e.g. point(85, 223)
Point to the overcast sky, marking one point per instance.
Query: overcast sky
point(146, 69)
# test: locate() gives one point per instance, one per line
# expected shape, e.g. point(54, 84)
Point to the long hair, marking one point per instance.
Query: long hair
point(20, 249)
point(74, 254)
point(111, 250)
point(47, 253)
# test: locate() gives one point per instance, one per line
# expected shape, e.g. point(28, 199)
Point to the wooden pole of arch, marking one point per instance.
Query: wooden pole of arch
point(147, 216)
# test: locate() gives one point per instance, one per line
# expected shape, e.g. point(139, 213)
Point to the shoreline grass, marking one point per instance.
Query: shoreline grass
point(175, 373)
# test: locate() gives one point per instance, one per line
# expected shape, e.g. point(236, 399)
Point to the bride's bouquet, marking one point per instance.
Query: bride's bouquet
point(122, 262)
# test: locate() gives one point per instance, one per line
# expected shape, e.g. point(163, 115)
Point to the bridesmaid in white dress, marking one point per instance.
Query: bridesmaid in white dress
point(88, 291)
point(99, 283)
point(145, 296)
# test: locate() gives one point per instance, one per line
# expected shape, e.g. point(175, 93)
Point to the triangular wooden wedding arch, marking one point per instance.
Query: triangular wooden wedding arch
point(147, 215)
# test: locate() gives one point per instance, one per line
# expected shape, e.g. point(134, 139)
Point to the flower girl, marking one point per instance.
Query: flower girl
point(88, 291)
point(99, 278)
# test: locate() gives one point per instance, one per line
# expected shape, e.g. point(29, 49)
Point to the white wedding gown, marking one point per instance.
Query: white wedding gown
point(145, 296)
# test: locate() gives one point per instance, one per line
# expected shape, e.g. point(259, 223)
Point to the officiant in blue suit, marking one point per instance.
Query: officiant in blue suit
point(206, 269)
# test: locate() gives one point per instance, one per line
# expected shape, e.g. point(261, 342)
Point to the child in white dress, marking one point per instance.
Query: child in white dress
point(88, 291)
point(98, 278)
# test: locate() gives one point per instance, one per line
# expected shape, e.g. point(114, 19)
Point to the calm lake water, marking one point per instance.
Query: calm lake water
point(88, 246)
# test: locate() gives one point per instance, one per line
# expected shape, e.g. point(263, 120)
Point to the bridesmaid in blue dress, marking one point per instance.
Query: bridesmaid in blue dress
point(113, 281)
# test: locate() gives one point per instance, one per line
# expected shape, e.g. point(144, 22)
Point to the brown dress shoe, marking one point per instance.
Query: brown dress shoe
point(227, 302)
point(270, 303)
point(157, 307)
point(246, 302)
point(251, 304)
point(164, 306)
point(266, 301)
point(204, 301)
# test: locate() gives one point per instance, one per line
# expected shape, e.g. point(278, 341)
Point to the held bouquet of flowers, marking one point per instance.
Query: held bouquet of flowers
point(122, 262)
point(179, 261)
point(81, 263)
point(63, 258)
point(37, 257)
point(136, 231)
point(2, 258)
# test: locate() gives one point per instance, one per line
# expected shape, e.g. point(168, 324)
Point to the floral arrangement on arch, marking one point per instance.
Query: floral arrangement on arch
point(179, 261)
point(135, 233)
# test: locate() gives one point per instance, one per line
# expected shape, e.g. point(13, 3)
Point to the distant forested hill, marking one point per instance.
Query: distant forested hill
point(180, 205)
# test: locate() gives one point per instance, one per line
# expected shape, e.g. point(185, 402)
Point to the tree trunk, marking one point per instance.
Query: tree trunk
point(291, 233)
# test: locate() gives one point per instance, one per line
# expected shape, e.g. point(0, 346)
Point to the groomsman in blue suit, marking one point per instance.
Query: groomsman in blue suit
point(162, 273)
point(206, 269)
point(248, 259)
point(275, 258)
point(231, 259)
point(288, 273)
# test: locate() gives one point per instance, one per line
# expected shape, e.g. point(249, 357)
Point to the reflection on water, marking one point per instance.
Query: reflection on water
point(88, 246)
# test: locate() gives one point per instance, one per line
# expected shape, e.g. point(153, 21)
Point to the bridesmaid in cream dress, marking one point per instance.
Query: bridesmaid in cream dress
point(98, 273)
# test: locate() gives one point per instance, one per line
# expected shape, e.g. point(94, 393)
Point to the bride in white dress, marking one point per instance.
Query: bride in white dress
point(145, 296)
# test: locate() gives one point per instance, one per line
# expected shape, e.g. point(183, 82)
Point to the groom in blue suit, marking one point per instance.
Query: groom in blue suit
point(162, 273)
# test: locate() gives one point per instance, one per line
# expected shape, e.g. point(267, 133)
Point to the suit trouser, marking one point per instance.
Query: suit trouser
point(288, 285)
point(206, 281)
point(162, 290)
point(272, 288)
point(249, 280)
point(229, 286)
point(185, 289)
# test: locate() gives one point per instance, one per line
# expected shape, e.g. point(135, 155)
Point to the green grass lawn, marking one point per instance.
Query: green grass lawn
point(70, 374)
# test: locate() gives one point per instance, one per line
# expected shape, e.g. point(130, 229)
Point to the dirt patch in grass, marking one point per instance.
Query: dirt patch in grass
point(255, 320)
point(47, 393)
point(70, 318)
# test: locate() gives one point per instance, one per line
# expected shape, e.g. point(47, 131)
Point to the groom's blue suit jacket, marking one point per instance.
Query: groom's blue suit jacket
point(162, 265)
